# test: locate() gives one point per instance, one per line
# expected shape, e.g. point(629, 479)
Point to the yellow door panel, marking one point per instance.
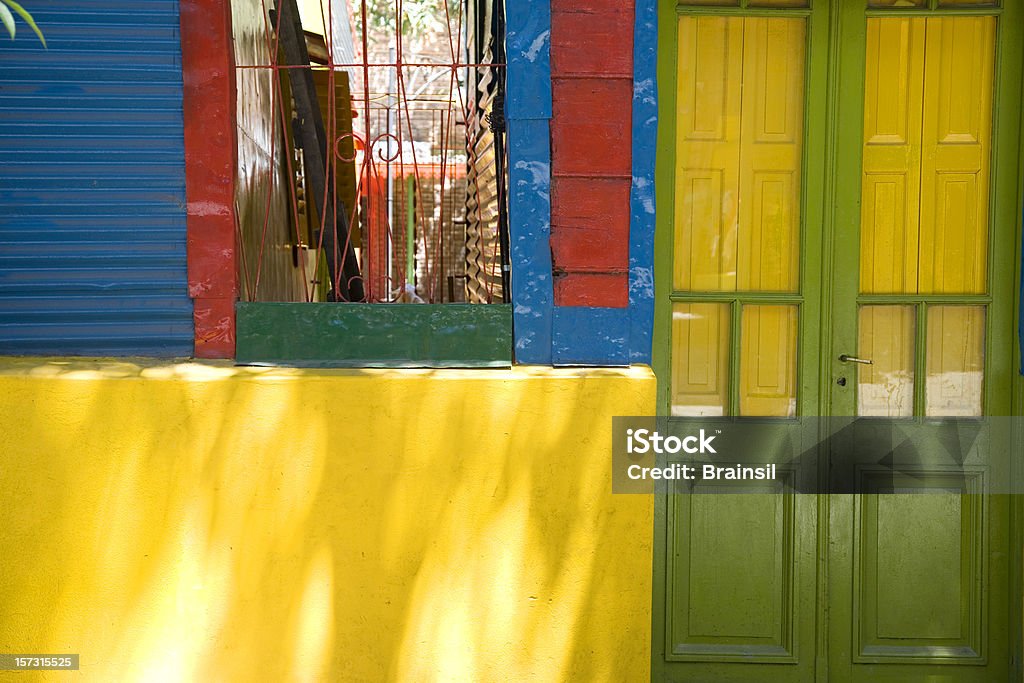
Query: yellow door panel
point(700, 359)
point(768, 361)
point(959, 55)
point(708, 147)
point(927, 131)
point(770, 144)
point(892, 151)
point(740, 130)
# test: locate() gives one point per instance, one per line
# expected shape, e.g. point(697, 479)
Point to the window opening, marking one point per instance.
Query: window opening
point(371, 151)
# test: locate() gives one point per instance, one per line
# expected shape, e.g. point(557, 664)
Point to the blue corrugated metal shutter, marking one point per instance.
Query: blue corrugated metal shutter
point(92, 182)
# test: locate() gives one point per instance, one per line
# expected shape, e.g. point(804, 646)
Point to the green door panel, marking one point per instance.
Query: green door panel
point(740, 589)
point(919, 591)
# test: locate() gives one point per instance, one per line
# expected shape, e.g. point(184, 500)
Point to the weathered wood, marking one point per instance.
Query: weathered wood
point(591, 157)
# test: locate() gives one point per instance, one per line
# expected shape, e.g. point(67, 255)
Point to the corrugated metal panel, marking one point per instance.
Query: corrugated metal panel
point(92, 182)
point(483, 253)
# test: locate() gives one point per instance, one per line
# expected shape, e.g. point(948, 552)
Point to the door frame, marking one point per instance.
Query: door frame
point(824, 130)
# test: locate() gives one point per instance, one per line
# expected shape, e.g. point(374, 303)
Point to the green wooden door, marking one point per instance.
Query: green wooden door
point(837, 179)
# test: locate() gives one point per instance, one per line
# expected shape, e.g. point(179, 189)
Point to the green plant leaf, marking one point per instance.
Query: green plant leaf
point(23, 13)
point(8, 19)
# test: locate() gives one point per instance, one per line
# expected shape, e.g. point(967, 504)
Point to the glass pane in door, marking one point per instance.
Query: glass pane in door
point(740, 134)
point(925, 212)
point(886, 338)
point(955, 361)
point(768, 361)
point(927, 143)
point(740, 126)
point(700, 359)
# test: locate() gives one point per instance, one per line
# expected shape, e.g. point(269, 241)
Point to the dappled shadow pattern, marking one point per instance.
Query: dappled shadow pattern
point(202, 522)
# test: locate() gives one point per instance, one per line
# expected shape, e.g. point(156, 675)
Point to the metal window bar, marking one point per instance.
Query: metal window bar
point(386, 177)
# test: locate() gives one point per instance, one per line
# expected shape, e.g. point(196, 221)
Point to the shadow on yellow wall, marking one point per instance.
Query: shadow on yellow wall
point(206, 523)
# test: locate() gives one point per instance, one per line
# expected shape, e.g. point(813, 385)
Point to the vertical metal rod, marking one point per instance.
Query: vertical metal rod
point(390, 103)
point(410, 231)
point(371, 200)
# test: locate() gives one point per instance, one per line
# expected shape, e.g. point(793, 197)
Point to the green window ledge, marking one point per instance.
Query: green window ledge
point(375, 335)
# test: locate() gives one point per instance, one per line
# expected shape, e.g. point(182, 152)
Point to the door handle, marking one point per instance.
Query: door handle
point(844, 358)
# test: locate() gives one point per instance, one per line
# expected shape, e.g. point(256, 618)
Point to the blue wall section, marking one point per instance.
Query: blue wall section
point(528, 111)
point(591, 336)
point(645, 134)
point(92, 182)
point(528, 50)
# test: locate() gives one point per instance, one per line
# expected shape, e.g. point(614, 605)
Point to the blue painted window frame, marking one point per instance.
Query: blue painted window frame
point(546, 334)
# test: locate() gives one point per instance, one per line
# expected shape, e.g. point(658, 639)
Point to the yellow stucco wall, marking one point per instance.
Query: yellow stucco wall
point(208, 523)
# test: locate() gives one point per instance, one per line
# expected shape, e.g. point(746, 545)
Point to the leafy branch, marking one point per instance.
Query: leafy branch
point(8, 19)
point(419, 17)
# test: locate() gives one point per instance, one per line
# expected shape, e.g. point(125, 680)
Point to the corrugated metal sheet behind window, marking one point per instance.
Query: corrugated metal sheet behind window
point(92, 182)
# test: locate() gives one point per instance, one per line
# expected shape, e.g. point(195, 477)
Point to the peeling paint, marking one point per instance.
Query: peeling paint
point(530, 228)
point(528, 110)
point(540, 174)
point(209, 209)
point(207, 74)
point(540, 42)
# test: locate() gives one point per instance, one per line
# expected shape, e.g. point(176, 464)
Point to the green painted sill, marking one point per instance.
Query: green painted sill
point(375, 335)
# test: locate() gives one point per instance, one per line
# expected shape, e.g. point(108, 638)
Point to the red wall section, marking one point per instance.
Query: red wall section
point(591, 137)
point(207, 69)
point(592, 235)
